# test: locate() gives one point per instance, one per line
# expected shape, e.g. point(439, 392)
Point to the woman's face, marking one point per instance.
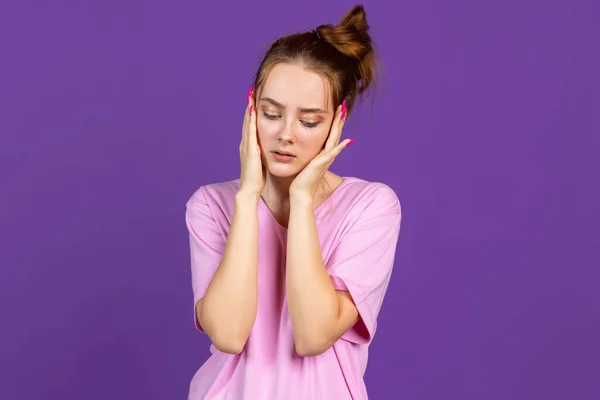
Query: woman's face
point(294, 118)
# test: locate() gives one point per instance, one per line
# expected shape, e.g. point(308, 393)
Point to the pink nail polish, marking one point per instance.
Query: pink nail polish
point(250, 110)
point(343, 110)
point(350, 142)
point(249, 94)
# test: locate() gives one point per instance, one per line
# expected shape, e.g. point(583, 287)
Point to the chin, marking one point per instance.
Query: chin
point(283, 170)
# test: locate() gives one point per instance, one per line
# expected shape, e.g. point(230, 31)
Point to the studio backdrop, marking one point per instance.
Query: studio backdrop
point(485, 122)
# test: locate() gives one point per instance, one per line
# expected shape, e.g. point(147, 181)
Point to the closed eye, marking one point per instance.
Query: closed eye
point(310, 124)
point(274, 117)
point(270, 116)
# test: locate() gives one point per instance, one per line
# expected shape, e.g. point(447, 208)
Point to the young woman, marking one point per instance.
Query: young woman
point(291, 262)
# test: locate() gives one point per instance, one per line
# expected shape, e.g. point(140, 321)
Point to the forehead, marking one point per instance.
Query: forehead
point(294, 86)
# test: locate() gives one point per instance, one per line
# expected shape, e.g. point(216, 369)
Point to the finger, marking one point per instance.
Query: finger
point(331, 139)
point(245, 124)
point(336, 127)
point(252, 114)
point(246, 118)
point(331, 155)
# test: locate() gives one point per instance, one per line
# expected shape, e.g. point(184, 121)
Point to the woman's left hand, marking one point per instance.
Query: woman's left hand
point(306, 182)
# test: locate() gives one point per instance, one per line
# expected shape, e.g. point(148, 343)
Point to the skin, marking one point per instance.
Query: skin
point(292, 113)
point(283, 125)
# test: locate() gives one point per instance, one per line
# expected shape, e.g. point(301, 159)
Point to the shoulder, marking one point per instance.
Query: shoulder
point(218, 194)
point(370, 197)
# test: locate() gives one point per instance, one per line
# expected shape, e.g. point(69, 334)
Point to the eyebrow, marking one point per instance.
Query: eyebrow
point(302, 110)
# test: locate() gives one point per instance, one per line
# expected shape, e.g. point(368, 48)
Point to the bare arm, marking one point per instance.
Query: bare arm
point(320, 315)
point(228, 309)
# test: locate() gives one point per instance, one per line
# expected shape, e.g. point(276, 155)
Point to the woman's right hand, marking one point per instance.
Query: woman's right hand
point(252, 177)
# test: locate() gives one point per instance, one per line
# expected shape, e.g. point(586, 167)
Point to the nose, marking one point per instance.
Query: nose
point(286, 134)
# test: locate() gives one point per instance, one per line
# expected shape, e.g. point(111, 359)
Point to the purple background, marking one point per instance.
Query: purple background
point(113, 112)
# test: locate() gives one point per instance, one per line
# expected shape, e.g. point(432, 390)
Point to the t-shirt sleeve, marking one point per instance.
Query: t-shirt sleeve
point(207, 244)
point(363, 260)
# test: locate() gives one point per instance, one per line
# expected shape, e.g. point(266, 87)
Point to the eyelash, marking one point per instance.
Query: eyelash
point(306, 124)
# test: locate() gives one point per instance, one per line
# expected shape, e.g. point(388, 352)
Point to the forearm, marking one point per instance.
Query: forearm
point(312, 300)
point(228, 310)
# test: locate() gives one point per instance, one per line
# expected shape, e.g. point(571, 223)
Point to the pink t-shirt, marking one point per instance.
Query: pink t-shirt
point(358, 227)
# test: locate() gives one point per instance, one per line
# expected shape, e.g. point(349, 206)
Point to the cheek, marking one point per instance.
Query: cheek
point(266, 129)
point(314, 140)
point(322, 135)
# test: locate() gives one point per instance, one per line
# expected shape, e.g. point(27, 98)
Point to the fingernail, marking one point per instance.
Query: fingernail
point(350, 142)
point(250, 110)
point(249, 94)
point(343, 110)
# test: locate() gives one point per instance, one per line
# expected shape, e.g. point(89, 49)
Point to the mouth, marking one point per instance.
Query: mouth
point(283, 153)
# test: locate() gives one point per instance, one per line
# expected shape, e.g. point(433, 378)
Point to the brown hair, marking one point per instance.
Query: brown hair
point(343, 54)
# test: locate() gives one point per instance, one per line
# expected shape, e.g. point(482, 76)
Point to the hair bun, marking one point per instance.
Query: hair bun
point(356, 19)
point(351, 38)
point(351, 35)
point(343, 54)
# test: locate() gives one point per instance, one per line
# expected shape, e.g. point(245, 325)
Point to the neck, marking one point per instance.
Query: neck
point(276, 194)
point(277, 190)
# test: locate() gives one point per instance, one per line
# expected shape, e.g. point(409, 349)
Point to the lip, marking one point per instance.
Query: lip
point(284, 153)
point(283, 157)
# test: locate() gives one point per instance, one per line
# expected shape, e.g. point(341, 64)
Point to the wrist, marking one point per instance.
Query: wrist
point(246, 197)
point(301, 198)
